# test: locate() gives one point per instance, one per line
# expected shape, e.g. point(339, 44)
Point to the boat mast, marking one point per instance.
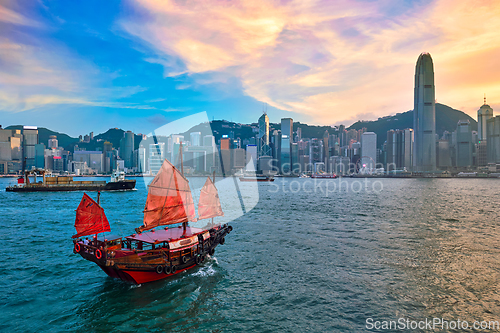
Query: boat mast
point(184, 224)
point(213, 181)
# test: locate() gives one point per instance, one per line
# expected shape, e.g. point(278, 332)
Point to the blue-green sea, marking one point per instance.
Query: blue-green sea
point(302, 260)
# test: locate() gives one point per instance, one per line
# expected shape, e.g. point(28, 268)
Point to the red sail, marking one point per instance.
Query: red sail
point(90, 218)
point(209, 204)
point(169, 199)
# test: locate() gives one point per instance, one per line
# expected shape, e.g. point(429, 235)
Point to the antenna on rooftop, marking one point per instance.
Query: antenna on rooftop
point(484, 98)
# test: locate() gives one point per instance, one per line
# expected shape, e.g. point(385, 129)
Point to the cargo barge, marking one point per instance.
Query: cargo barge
point(66, 183)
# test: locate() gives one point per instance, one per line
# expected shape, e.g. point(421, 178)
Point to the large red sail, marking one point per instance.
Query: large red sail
point(169, 199)
point(90, 218)
point(209, 204)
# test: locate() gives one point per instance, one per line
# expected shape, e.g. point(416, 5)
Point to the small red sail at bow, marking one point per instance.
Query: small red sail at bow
point(209, 203)
point(169, 199)
point(90, 218)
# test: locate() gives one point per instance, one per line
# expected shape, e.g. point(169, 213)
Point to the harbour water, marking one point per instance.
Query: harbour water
point(301, 260)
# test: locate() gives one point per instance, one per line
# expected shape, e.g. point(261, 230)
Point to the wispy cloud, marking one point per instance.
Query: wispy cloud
point(332, 60)
point(35, 74)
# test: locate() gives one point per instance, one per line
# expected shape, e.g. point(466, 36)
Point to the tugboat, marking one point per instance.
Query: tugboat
point(157, 250)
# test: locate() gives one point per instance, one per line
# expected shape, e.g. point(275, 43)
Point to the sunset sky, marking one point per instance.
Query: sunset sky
point(80, 66)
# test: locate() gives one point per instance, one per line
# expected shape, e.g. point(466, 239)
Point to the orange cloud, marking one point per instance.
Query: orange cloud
point(333, 60)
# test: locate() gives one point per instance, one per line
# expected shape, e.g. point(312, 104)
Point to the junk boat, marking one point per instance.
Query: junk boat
point(157, 250)
point(256, 178)
point(59, 183)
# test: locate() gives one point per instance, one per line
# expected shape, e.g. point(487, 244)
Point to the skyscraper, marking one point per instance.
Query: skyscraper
point(464, 144)
point(30, 139)
point(263, 144)
point(286, 141)
point(484, 113)
point(424, 115)
point(127, 149)
point(369, 151)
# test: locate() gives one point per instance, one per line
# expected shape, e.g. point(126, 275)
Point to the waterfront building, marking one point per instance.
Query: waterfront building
point(315, 151)
point(369, 151)
point(424, 115)
point(30, 139)
point(141, 160)
point(127, 149)
point(40, 155)
point(295, 158)
point(239, 159)
point(225, 155)
point(399, 149)
point(482, 153)
point(92, 158)
point(340, 165)
point(286, 141)
point(493, 139)
point(326, 145)
point(251, 155)
point(107, 158)
point(464, 144)
point(263, 138)
point(443, 158)
point(484, 113)
point(156, 157)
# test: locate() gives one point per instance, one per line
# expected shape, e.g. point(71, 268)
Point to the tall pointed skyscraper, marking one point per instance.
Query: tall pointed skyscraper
point(424, 115)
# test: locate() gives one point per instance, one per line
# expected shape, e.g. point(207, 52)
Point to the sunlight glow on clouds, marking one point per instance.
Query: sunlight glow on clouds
point(331, 60)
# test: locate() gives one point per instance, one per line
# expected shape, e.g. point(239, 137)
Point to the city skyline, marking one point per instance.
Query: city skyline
point(320, 63)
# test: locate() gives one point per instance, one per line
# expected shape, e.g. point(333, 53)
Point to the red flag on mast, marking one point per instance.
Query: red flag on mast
point(90, 218)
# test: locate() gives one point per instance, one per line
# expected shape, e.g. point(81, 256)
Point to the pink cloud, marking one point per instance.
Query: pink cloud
point(333, 60)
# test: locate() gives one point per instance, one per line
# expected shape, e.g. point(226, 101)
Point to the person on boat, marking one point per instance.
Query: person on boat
point(86, 241)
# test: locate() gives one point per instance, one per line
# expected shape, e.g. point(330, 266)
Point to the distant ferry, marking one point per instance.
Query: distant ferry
point(257, 178)
point(59, 184)
point(324, 175)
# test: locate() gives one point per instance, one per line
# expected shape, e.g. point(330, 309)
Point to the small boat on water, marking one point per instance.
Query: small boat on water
point(66, 183)
point(157, 250)
point(257, 178)
point(324, 175)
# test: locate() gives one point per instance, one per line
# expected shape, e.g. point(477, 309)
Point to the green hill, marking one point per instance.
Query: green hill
point(446, 120)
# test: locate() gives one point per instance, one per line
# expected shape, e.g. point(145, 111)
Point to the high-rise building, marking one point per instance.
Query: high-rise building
point(30, 139)
point(399, 149)
point(286, 141)
point(107, 157)
point(195, 138)
point(251, 156)
point(263, 144)
point(424, 115)
point(156, 157)
point(53, 143)
point(326, 153)
point(443, 159)
point(464, 144)
point(369, 151)
point(493, 139)
point(225, 155)
point(484, 113)
point(127, 149)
